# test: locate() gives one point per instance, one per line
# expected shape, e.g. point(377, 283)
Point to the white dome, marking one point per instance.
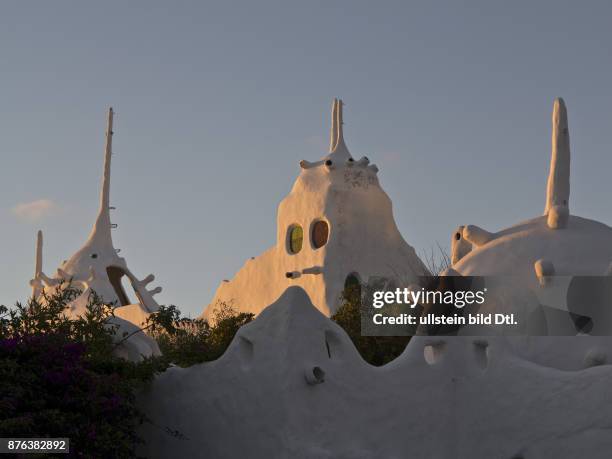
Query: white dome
point(583, 248)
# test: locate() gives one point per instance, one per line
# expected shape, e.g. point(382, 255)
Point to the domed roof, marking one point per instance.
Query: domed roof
point(538, 267)
point(583, 247)
point(566, 244)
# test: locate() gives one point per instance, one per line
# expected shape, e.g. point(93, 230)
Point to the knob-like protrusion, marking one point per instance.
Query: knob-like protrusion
point(363, 162)
point(314, 375)
point(313, 270)
point(293, 274)
point(147, 280)
point(307, 164)
point(460, 247)
point(476, 235)
point(544, 270)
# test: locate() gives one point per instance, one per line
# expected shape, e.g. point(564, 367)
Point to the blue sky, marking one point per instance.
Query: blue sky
point(218, 102)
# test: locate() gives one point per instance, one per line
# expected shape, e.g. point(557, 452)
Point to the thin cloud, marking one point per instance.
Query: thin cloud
point(36, 210)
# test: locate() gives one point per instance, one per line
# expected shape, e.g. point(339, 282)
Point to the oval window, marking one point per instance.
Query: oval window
point(320, 233)
point(296, 237)
point(352, 289)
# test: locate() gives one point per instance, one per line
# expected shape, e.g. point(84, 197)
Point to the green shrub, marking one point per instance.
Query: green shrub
point(190, 341)
point(60, 377)
point(376, 350)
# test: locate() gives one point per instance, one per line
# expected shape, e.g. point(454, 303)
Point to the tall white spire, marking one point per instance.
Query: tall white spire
point(105, 196)
point(101, 231)
point(96, 266)
point(558, 187)
point(36, 285)
point(338, 152)
point(337, 134)
point(334, 132)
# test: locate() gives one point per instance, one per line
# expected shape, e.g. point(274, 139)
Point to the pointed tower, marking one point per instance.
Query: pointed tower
point(338, 150)
point(100, 235)
point(334, 229)
point(540, 261)
point(336, 143)
point(558, 186)
point(36, 282)
point(333, 135)
point(97, 265)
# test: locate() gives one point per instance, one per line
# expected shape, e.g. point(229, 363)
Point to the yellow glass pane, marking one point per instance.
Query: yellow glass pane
point(296, 237)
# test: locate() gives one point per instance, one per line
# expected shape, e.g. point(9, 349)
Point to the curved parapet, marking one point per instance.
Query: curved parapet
point(292, 369)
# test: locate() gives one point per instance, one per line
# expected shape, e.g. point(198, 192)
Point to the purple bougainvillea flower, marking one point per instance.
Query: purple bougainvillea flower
point(9, 344)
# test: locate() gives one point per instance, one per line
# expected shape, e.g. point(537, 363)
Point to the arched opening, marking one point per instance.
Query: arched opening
point(295, 238)
point(319, 234)
point(352, 288)
point(433, 352)
point(117, 277)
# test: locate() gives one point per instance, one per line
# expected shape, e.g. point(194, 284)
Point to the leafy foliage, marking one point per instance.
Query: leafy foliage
point(376, 350)
point(186, 342)
point(60, 378)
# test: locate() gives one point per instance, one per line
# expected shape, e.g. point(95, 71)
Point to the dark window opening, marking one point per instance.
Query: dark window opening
point(352, 288)
point(115, 276)
point(320, 234)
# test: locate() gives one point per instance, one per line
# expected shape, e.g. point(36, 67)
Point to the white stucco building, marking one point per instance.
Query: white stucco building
point(336, 226)
point(564, 244)
point(96, 266)
point(292, 384)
